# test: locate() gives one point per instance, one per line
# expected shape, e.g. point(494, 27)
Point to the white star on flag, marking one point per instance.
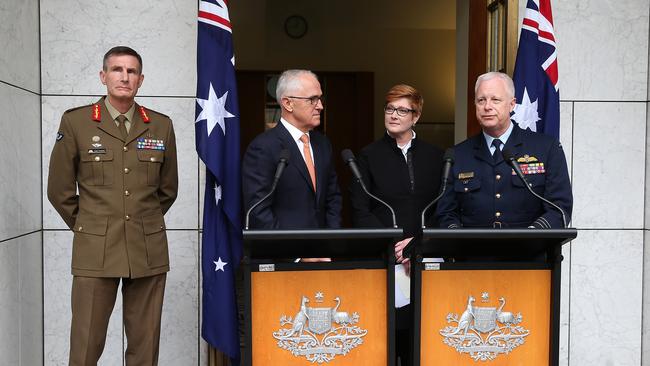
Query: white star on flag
point(217, 193)
point(214, 110)
point(526, 113)
point(219, 265)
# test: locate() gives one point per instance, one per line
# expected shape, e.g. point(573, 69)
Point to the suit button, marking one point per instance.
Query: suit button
point(498, 195)
point(126, 193)
point(498, 214)
point(127, 217)
point(97, 158)
point(498, 176)
point(126, 170)
point(125, 148)
point(466, 189)
point(152, 159)
point(81, 228)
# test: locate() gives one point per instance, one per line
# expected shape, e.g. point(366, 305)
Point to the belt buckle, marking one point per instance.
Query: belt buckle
point(497, 225)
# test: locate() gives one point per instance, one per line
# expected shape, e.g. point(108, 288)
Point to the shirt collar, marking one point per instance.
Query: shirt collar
point(504, 137)
point(296, 134)
point(115, 113)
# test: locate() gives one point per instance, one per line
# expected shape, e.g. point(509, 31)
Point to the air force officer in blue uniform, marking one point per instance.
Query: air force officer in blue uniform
point(483, 190)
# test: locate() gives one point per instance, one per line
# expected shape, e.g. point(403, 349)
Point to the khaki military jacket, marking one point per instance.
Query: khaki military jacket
point(113, 193)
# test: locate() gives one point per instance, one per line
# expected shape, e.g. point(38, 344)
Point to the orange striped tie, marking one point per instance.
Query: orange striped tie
point(310, 162)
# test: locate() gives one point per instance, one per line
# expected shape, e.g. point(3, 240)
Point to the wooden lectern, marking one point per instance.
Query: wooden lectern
point(337, 313)
point(494, 301)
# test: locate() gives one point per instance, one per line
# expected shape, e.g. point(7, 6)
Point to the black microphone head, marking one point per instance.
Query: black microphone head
point(284, 155)
point(347, 156)
point(507, 155)
point(449, 155)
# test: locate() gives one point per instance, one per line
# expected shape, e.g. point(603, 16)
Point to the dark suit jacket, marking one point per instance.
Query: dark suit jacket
point(294, 205)
point(480, 188)
point(386, 175)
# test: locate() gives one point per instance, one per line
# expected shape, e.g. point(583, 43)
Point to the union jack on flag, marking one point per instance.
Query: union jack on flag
point(217, 144)
point(536, 72)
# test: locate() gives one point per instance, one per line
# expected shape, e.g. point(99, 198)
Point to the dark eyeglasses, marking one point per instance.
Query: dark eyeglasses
point(400, 111)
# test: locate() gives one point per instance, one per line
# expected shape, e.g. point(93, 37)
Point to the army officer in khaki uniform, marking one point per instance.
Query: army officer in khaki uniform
point(113, 176)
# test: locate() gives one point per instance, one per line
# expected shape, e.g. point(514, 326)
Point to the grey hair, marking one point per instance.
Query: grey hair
point(288, 82)
point(510, 86)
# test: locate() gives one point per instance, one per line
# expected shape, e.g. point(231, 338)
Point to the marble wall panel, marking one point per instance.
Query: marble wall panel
point(566, 132)
point(21, 296)
point(163, 32)
point(31, 298)
point(647, 171)
point(19, 36)
point(606, 298)
point(179, 338)
point(602, 49)
point(20, 166)
point(57, 285)
point(184, 212)
point(9, 303)
point(608, 169)
point(645, 352)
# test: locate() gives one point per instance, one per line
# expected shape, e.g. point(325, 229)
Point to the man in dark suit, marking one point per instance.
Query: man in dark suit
point(483, 189)
point(307, 195)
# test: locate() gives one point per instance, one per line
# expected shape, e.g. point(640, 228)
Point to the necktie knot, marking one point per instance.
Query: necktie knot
point(304, 138)
point(121, 118)
point(497, 143)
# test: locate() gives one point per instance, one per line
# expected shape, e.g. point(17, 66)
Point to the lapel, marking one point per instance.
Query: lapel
point(295, 159)
point(515, 141)
point(107, 124)
point(481, 150)
point(138, 127)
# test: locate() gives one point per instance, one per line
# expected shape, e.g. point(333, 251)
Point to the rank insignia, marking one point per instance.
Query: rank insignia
point(96, 113)
point(465, 175)
point(59, 136)
point(532, 168)
point(150, 144)
point(527, 159)
point(144, 115)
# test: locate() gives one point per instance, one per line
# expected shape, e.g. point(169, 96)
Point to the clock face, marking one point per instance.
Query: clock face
point(295, 26)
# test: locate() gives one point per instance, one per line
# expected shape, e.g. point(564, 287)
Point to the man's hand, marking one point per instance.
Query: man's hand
point(315, 259)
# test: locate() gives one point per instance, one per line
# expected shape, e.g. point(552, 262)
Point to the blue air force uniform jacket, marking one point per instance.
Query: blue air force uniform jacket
point(484, 193)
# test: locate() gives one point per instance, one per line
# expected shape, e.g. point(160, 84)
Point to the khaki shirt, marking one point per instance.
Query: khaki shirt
point(113, 193)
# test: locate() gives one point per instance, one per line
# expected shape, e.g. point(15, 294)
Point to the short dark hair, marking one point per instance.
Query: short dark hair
point(119, 51)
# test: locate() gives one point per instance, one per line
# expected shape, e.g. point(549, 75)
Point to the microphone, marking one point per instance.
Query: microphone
point(282, 163)
point(348, 158)
point(448, 160)
point(510, 159)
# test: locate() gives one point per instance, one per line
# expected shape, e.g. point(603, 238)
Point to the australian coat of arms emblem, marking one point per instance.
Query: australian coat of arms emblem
point(484, 332)
point(319, 333)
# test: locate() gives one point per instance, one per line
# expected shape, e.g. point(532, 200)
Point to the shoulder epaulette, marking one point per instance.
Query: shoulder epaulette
point(75, 108)
point(149, 113)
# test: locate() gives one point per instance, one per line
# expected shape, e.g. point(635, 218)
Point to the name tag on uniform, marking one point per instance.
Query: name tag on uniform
point(96, 151)
point(465, 175)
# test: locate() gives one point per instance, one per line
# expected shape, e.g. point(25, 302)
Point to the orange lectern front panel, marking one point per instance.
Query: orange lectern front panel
point(299, 317)
point(486, 317)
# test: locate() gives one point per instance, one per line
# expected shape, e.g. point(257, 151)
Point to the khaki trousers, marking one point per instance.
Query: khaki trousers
point(93, 300)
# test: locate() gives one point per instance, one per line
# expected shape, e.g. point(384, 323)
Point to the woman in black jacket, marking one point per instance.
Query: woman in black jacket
point(405, 172)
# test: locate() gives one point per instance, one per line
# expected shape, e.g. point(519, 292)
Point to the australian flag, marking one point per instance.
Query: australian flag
point(536, 74)
point(217, 143)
